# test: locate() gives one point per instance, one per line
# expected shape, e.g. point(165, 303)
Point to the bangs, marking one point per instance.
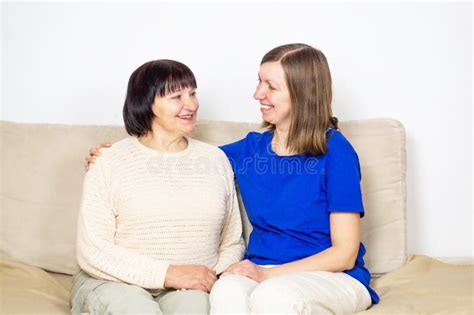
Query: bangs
point(177, 84)
point(178, 77)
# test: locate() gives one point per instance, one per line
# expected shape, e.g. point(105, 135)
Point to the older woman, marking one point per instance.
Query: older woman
point(159, 212)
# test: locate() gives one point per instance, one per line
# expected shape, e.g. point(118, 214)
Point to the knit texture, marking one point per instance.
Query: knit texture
point(144, 209)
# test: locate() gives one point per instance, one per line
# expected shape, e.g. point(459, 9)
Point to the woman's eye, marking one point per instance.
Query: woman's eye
point(193, 93)
point(176, 97)
point(271, 88)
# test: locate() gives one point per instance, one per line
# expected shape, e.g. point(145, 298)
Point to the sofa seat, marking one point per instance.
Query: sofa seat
point(422, 286)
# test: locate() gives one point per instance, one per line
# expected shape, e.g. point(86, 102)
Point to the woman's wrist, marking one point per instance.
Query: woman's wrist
point(270, 272)
point(169, 278)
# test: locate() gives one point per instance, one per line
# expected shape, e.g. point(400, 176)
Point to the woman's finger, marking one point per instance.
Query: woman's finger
point(230, 269)
point(209, 286)
point(95, 152)
point(212, 275)
point(91, 160)
point(205, 288)
point(241, 271)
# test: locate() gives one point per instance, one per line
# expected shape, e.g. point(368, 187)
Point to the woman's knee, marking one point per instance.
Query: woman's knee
point(230, 294)
point(232, 285)
point(200, 302)
point(276, 296)
point(184, 302)
point(120, 298)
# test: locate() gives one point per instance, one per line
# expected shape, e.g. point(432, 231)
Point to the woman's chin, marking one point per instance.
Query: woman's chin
point(189, 129)
point(266, 120)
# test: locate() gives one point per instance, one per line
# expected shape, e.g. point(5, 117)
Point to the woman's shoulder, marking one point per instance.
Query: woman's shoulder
point(120, 152)
point(257, 135)
point(205, 148)
point(119, 147)
point(251, 141)
point(337, 142)
point(204, 152)
point(252, 138)
point(112, 158)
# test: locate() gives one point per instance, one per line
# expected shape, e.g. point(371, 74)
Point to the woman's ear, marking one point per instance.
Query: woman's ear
point(154, 108)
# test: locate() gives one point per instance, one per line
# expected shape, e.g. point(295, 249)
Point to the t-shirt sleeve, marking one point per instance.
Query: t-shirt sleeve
point(343, 177)
point(233, 152)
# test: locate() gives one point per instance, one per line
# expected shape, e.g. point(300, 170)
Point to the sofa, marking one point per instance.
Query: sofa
point(42, 167)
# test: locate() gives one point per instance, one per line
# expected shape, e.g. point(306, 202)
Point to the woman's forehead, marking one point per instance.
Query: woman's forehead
point(271, 71)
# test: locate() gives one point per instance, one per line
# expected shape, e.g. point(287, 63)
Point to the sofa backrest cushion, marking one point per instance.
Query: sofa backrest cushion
point(42, 167)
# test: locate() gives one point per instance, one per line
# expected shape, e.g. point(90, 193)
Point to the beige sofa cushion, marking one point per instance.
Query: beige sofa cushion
point(42, 171)
point(425, 286)
point(422, 286)
point(27, 289)
point(380, 144)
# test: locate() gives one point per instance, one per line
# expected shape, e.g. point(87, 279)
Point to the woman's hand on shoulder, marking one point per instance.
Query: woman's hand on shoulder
point(248, 269)
point(197, 277)
point(94, 153)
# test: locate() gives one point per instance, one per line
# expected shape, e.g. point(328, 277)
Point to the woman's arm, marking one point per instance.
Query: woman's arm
point(345, 239)
point(232, 245)
point(97, 253)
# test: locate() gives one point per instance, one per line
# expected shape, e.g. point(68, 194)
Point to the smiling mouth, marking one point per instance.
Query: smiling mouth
point(186, 117)
point(266, 106)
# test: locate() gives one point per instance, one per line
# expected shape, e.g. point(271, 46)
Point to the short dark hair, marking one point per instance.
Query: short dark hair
point(157, 77)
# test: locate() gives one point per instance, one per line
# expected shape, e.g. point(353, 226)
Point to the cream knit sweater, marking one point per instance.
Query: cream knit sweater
point(143, 210)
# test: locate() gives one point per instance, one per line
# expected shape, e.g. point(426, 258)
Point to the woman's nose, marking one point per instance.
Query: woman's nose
point(259, 93)
point(191, 104)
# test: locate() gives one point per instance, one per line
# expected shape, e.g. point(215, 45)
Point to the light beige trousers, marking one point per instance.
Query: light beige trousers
point(93, 296)
point(315, 292)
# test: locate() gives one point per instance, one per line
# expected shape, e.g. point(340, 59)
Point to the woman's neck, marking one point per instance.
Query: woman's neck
point(279, 141)
point(160, 140)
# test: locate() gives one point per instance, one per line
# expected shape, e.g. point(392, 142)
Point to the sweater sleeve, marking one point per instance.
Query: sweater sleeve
point(232, 245)
point(97, 253)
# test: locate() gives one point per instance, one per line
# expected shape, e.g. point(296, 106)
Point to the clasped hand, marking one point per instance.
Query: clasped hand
point(248, 269)
point(195, 277)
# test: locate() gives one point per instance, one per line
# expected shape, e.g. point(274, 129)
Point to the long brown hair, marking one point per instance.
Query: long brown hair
point(309, 82)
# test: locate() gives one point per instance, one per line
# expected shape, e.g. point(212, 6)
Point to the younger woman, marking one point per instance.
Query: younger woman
point(300, 183)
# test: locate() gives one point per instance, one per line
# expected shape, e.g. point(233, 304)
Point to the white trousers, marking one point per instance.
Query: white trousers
point(314, 292)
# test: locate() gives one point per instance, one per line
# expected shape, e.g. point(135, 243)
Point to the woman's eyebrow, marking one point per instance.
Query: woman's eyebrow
point(273, 82)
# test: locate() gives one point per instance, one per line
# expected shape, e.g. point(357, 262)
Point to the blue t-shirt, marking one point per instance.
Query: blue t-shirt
point(288, 198)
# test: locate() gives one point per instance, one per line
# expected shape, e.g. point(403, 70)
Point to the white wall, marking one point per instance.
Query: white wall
point(70, 62)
